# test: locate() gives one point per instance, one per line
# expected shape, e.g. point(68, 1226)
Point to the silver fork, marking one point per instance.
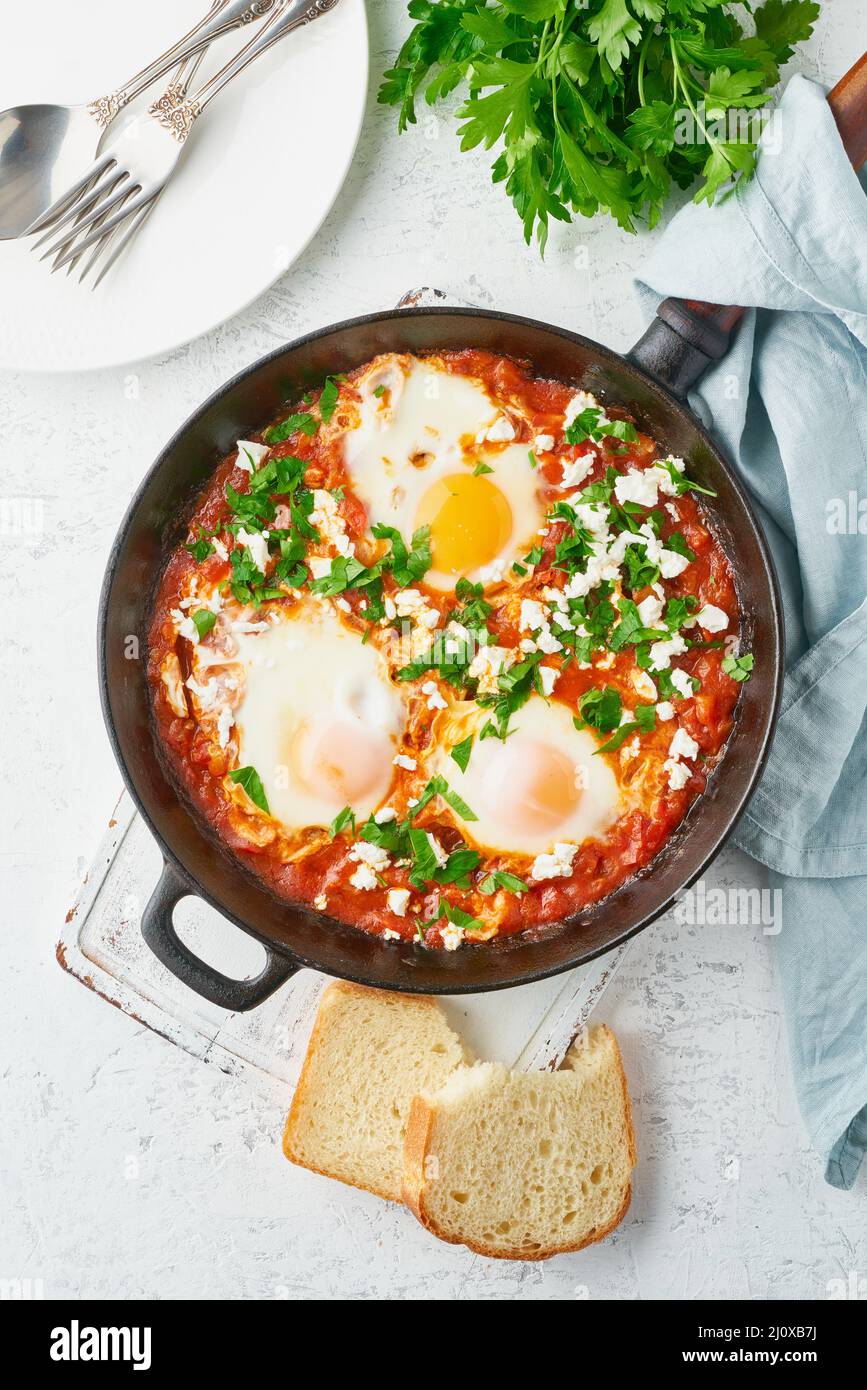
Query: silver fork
point(178, 88)
point(115, 242)
point(135, 165)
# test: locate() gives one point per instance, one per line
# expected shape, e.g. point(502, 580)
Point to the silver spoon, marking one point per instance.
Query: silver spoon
point(45, 148)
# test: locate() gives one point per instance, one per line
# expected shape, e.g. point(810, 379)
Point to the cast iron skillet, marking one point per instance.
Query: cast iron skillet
point(651, 381)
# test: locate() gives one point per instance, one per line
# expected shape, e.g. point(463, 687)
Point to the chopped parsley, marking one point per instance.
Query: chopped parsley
point(328, 399)
point(204, 620)
point(461, 752)
point(500, 879)
point(738, 667)
point(249, 779)
point(600, 709)
point(303, 422)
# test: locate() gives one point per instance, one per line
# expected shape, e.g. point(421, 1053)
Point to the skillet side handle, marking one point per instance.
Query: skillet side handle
point(158, 930)
point(683, 340)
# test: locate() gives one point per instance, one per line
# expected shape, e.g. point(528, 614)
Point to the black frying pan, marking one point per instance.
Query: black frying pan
point(651, 382)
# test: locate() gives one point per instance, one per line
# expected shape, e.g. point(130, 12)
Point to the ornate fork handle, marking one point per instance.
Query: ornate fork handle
point(178, 116)
point(223, 16)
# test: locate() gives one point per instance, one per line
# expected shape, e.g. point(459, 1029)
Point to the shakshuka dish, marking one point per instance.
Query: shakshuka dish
point(448, 651)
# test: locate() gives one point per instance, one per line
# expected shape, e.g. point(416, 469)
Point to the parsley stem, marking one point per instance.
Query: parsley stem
point(682, 83)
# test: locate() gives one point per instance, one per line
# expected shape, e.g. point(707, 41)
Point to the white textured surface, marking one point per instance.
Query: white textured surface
point(128, 1168)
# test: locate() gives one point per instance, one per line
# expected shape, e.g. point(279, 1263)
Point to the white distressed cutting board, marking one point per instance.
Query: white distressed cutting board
point(529, 1027)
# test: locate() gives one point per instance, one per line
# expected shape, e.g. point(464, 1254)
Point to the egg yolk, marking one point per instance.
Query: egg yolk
point(340, 761)
point(470, 522)
point(531, 787)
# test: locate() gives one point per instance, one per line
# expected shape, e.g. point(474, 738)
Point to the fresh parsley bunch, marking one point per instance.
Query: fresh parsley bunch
point(600, 104)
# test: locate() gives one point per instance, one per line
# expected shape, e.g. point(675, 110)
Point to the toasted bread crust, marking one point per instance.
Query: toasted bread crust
point(417, 1146)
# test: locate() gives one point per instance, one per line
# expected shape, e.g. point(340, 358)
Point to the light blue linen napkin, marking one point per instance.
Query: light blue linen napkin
point(789, 407)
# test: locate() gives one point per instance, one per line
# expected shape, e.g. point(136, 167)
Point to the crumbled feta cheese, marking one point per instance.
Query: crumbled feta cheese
point(548, 676)
point(665, 711)
point(682, 746)
point(451, 936)
point(582, 400)
point(638, 485)
point(401, 760)
point(389, 934)
point(576, 471)
point(257, 545)
point(397, 900)
point(343, 605)
point(373, 855)
point(205, 694)
point(682, 683)
point(592, 517)
point(385, 814)
point(533, 616)
point(320, 902)
point(487, 664)
point(543, 443)
point(250, 455)
point(320, 565)
point(546, 642)
point(671, 563)
point(363, 877)
point(434, 698)
point(499, 432)
point(408, 601)
point(650, 610)
point(492, 573)
point(390, 608)
point(326, 517)
point(629, 750)
point(712, 619)
point(219, 548)
point(557, 864)
point(185, 627)
point(225, 720)
point(599, 568)
point(662, 652)
point(678, 774)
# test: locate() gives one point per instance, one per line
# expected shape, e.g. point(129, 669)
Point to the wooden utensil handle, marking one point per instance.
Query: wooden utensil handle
point(705, 329)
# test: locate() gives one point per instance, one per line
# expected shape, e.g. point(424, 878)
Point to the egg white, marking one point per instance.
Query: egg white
point(428, 424)
point(311, 692)
point(497, 783)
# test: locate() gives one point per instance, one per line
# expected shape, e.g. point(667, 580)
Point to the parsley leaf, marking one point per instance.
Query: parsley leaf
point(249, 779)
point(600, 709)
point(461, 752)
point(204, 620)
point(303, 422)
point(602, 106)
point(738, 667)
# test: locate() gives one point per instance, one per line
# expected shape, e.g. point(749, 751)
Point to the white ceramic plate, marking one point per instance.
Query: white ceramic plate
point(260, 173)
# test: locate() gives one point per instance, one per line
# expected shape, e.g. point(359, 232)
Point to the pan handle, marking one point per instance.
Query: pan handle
point(687, 334)
point(158, 930)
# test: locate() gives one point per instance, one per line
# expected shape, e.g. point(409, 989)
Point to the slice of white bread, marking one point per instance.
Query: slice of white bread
point(522, 1166)
point(370, 1052)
